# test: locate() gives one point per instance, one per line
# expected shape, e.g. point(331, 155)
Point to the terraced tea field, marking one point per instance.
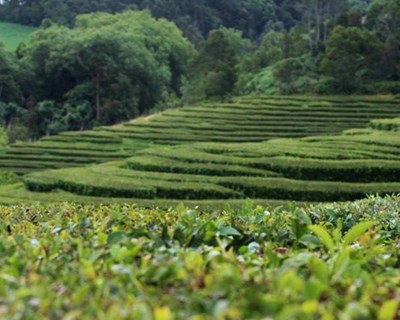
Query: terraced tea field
point(249, 119)
point(325, 168)
point(254, 147)
point(67, 150)
point(256, 119)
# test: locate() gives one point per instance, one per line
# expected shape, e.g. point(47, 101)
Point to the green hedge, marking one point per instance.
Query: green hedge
point(334, 170)
point(88, 185)
point(386, 124)
point(278, 188)
point(154, 163)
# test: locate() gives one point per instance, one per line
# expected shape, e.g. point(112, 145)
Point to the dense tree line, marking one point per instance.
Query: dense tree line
point(196, 18)
point(104, 68)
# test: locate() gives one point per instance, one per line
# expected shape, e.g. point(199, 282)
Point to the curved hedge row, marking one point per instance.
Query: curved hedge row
point(386, 124)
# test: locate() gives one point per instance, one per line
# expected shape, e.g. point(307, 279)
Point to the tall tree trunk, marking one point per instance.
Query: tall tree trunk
point(325, 31)
point(318, 14)
point(9, 125)
point(309, 27)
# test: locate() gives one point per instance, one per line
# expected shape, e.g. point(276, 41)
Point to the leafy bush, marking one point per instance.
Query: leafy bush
point(383, 87)
point(328, 261)
point(8, 177)
point(260, 83)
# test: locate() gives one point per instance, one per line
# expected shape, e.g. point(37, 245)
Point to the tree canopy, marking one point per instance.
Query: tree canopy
point(117, 66)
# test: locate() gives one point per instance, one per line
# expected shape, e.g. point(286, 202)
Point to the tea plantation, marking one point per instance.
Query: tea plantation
point(276, 257)
point(270, 149)
point(64, 261)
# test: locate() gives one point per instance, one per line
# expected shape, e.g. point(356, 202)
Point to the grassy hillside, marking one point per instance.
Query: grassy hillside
point(121, 262)
point(12, 34)
point(249, 148)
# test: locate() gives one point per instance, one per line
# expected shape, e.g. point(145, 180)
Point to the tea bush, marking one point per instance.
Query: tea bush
point(334, 261)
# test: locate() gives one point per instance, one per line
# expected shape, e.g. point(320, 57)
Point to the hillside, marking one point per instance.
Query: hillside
point(12, 34)
point(247, 119)
point(271, 148)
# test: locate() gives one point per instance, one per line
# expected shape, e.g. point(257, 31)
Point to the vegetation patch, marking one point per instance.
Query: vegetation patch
point(12, 34)
point(245, 148)
point(252, 262)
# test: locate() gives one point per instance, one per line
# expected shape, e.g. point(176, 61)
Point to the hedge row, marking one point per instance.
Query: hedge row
point(146, 189)
point(224, 187)
point(334, 170)
point(154, 163)
point(73, 146)
point(250, 117)
point(324, 118)
point(251, 132)
point(22, 152)
point(343, 109)
point(278, 188)
point(260, 126)
point(297, 168)
point(386, 124)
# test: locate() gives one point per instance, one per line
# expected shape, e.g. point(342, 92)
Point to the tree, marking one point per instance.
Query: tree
point(51, 117)
point(9, 87)
point(119, 65)
point(216, 62)
point(9, 112)
point(286, 72)
point(79, 117)
point(352, 57)
point(383, 17)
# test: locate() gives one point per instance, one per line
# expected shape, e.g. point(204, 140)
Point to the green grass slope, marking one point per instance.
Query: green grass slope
point(12, 34)
point(121, 262)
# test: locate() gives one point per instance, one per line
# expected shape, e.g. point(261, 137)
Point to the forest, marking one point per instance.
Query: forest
point(103, 62)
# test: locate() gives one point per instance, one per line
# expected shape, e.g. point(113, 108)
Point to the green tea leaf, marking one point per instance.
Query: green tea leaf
point(388, 310)
point(115, 237)
point(356, 231)
point(229, 231)
point(323, 236)
point(341, 262)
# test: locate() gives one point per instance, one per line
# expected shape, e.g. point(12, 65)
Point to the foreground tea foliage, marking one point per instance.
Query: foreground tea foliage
point(121, 262)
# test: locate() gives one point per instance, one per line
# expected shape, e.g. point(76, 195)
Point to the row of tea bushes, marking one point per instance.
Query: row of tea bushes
point(386, 124)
